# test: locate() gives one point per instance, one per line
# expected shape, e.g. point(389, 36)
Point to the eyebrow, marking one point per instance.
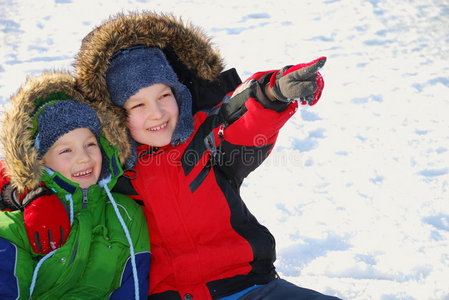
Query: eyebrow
point(130, 101)
point(161, 90)
point(66, 143)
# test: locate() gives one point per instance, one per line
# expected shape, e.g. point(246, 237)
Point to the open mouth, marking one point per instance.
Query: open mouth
point(84, 173)
point(156, 128)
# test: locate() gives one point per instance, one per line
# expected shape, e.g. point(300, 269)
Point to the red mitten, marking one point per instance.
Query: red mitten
point(300, 82)
point(46, 220)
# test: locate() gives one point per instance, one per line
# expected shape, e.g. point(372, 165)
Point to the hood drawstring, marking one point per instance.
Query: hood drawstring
point(69, 199)
point(36, 270)
point(103, 183)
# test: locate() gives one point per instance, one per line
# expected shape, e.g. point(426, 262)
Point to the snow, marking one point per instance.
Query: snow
point(356, 189)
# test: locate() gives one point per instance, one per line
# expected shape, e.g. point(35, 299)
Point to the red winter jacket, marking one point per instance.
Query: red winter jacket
point(205, 242)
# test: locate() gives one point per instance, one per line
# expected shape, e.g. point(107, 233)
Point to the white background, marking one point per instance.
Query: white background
point(356, 189)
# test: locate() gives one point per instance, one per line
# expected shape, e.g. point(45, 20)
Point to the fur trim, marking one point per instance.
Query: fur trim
point(190, 45)
point(21, 160)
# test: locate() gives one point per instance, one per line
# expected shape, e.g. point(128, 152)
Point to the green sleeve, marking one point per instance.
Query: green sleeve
point(12, 229)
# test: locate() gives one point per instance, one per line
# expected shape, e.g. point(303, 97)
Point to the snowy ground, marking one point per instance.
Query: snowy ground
point(356, 190)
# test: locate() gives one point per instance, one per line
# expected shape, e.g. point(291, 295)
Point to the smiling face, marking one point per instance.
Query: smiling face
point(152, 115)
point(77, 156)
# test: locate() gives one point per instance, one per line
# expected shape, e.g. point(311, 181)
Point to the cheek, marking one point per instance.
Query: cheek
point(97, 156)
point(50, 160)
point(135, 127)
point(99, 162)
point(173, 109)
point(133, 122)
point(59, 164)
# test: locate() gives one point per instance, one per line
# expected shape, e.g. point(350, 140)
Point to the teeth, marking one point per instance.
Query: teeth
point(159, 127)
point(84, 173)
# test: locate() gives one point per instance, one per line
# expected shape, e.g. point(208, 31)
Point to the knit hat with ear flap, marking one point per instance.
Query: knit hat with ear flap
point(137, 67)
point(57, 117)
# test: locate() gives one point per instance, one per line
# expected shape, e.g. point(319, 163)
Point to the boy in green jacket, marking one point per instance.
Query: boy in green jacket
point(53, 143)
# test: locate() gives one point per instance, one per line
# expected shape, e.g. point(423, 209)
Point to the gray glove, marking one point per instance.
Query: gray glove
point(299, 82)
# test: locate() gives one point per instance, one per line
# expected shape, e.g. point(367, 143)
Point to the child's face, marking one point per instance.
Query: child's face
point(77, 156)
point(152, 115)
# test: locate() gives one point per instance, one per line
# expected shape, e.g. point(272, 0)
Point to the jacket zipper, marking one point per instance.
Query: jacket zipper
point(216, 157)
point(85, 200)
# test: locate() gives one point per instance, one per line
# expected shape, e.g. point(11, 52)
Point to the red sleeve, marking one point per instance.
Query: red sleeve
point(258, 125)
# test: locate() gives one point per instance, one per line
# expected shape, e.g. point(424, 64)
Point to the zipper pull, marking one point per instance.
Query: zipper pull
point(219, 154)
point(85, 200)
point(221, 132)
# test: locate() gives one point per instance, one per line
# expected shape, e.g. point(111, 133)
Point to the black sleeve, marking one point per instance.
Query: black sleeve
point(125, 187)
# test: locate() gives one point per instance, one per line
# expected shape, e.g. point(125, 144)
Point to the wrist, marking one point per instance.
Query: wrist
point(269, 92)
point(265, 94)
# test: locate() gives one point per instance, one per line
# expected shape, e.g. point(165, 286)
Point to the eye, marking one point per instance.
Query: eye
point(136, 106)
point(64, 151)
point(92, 144)
point(166, 95)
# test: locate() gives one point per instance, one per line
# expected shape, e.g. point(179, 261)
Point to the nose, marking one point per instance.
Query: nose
point(83, 156)
point(155, 111)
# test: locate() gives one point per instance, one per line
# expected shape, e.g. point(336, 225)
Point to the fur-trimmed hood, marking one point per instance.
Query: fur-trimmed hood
point(187, 48)
point(21, 160)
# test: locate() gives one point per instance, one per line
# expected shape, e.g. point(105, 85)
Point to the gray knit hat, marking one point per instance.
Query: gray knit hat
point(55, 118)
point(140, 66)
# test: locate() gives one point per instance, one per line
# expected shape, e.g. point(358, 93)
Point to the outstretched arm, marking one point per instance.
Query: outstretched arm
point(259, 108)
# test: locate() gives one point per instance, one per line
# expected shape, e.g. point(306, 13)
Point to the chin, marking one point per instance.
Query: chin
point(159, 145)
point(86, 185)
point(160, 142)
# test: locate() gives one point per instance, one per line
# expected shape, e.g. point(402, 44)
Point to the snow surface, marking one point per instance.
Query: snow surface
point(356, 189)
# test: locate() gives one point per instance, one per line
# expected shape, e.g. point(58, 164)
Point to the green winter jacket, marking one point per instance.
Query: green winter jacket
point(95, 262)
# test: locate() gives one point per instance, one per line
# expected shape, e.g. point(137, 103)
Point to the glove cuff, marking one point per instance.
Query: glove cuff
point(34, 194)
point(260, 95)
point(275, 86)
point(8, 200)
